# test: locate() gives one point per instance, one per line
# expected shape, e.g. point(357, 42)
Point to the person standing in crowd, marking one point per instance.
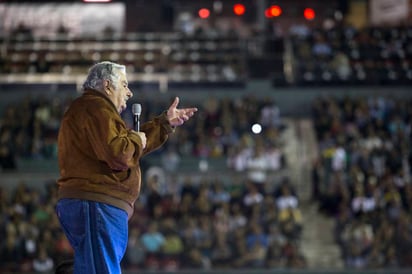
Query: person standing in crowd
point(100, 176)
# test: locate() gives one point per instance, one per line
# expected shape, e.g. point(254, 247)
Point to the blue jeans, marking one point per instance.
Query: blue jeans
point(97, 232)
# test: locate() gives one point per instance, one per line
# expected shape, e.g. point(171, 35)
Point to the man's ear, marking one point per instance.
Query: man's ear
point(106, 86)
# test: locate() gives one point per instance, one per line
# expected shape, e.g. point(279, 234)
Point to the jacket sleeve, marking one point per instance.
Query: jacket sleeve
point(112, 142)
point(157, 131)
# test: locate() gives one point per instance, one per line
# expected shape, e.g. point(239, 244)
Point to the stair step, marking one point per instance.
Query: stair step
point(318, 244)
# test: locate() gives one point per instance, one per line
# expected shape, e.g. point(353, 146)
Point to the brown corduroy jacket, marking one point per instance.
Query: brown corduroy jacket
point(99, 156)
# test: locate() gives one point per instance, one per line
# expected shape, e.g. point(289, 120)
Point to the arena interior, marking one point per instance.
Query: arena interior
point(298, 160)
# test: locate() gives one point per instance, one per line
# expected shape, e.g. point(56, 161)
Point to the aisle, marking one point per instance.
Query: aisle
point(317, 243)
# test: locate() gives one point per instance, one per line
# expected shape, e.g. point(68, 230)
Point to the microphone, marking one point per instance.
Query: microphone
point(136, 110)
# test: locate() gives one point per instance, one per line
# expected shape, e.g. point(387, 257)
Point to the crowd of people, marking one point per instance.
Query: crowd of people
point(362, 178)
point(343, 54)
point(331, 54)
point(29, 130)
point(182, 58)
point(192, 224)
point(181, 223)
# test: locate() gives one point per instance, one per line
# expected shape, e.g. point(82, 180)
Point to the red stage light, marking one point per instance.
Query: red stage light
point(239, 9)
point(204, 13)
point(309, 14)
point(273, 11)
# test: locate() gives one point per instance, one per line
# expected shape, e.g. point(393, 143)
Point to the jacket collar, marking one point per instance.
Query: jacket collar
point(94, 92)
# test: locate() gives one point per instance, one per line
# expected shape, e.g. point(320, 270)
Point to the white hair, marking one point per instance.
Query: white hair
point(102, 71)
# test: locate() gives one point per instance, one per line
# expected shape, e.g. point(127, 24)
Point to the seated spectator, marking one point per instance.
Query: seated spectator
point(355, 259)
point(202, 204)
point(255, 256)
point(63, 250)
point(238, 157)
point(221, 220)
point(237, 218)
point(252, 196)
point(289, 216)
point(392, 202)
point(376, 257)
point(7, 153)
point(196, 260)
point(335, 196)
point(65, 267)
point(62, 30)
point(237, 241)
point(152, 241)
point(170, 160)
point(286, 198)
point(256, 238)
point(275, 158)
point(43, 263)
point(257, 168)
point(191, 232)
point(275, 259)
point(221, 254)
point(321, 47)
point(205, 237)
point(11, 252)
point(361, 203)
point(300, 30)
point(341, 65)
point(172, 250)
point(23, 29)
point(295, 258)
point(135, 252)
point(219, 195)
point(270, 114)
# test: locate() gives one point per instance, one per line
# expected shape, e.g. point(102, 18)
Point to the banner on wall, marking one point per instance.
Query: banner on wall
point(78, 18)
point(388, 11)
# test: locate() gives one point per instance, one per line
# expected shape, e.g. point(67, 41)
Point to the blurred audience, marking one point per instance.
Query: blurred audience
point(213, 234)
point(344, 55)
point(180, 221)
point(222, 131)
point(363, 177)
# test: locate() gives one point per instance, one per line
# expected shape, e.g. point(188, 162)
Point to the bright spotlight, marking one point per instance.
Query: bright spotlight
point(256, 128)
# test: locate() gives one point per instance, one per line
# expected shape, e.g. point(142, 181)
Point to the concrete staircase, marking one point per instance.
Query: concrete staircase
point(317, 242)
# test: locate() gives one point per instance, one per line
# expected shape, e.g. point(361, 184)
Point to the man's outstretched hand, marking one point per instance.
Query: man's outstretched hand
point(177, 116)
